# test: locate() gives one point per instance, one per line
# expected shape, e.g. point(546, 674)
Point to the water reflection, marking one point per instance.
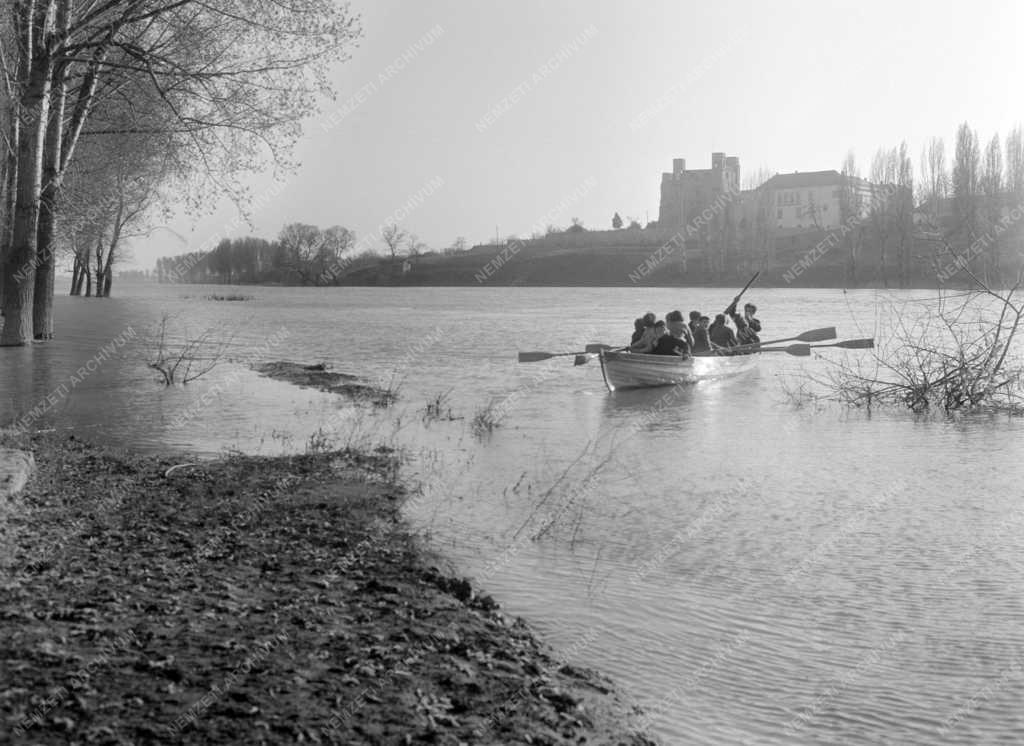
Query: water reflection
point(683, 555)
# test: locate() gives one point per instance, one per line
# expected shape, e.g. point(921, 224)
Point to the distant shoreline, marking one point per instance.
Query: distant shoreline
point(710, 285)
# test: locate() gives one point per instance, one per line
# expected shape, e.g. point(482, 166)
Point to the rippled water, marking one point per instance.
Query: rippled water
point(750, 572)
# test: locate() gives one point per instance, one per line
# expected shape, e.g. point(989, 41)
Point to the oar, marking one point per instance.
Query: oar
point(814, 335)
point(533, 357)
point(851, 344)
point(589, 355)
point(804, 350)
point(736, 300)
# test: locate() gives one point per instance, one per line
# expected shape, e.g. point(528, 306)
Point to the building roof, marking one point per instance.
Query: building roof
point(803, 179)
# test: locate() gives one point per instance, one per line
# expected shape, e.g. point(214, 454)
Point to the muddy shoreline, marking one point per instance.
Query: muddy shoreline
point(260, 600)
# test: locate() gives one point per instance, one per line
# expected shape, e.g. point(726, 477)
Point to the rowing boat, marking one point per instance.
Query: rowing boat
point(631, 370)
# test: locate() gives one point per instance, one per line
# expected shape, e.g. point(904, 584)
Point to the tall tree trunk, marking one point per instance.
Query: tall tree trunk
point(851, 265)
point(883, 263)
point(99, 268)
point(10, 186)
point(76, 276)
point(19, 274)
point(105, 274)
point(87, 272)
point(902, 256)
point(42, 307)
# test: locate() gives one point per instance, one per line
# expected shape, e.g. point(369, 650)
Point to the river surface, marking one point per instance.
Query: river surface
point(749, 571)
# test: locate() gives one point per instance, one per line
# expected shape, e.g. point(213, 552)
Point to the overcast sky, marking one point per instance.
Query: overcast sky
point(512, 115)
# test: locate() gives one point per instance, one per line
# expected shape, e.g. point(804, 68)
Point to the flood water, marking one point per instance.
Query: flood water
point(747, 570)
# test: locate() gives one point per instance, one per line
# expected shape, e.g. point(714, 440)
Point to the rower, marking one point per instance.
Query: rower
point(744, 335)
point(638, 331)
point(645, 342)
point(747, 325)
point(720, 334)
point(694, 322)
point(675, 342)
point(701, 343)
point(749, 311)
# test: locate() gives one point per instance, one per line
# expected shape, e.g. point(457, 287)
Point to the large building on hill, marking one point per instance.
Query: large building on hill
point(686, 193)
point(812, 200)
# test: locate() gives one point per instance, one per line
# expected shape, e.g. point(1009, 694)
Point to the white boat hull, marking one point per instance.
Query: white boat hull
point(630, 370)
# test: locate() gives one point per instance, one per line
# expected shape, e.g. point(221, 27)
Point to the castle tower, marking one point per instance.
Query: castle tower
point(732, 167)
point(670, 209)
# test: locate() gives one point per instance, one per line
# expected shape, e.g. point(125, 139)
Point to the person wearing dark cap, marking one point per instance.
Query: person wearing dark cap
point(694, 321)
point(675, 342)
point(720, 334)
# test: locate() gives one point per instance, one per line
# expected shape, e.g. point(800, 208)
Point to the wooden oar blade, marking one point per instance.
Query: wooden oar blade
point(817, 335)
point(814, 335)
point(596, 348)
point(801, 350)
point(855, 344)
point(533, 357)
point(581, 359)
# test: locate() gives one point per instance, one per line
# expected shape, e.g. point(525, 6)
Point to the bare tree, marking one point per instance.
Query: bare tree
point(393, 237)
point(298, 244)
point(903, 212)
point(181, 357)
point(108, 194)
point(990, 183)
point(883, 167)
point(1015, 188)
point(966, 173)
point(236, 85)
point(414, 246)
point(934, 184)
point(851, 209)
point(952, 353)
point(1015, 164)
point(755, 178)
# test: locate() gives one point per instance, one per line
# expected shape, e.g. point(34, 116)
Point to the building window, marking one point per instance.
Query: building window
point(779, 216)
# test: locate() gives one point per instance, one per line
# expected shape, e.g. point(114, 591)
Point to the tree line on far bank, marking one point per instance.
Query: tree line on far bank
point(915, 225)
point(302, 254)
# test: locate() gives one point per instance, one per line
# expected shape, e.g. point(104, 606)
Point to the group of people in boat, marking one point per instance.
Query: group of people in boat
point(699, 336)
